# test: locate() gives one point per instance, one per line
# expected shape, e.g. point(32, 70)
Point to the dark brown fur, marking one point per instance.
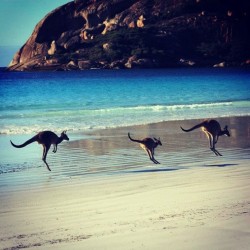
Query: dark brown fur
point(149, 145)
point(212, 129)
point(46, 138)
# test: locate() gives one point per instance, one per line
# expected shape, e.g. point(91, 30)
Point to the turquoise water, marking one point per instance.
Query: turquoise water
point(83, 100)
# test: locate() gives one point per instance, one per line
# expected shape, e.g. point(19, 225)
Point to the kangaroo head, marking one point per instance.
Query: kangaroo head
point(226, 132)
point(64, 136)
point(158, 141)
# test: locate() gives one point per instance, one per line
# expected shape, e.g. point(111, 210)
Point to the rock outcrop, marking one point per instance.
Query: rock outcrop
point(86, 34)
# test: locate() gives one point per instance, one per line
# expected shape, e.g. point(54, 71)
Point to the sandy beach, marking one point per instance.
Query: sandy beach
point(104, 193)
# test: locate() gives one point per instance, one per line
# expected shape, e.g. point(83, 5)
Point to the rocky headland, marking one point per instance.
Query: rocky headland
point(116, 34)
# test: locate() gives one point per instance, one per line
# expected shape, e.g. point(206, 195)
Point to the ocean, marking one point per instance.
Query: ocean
point(86, 100)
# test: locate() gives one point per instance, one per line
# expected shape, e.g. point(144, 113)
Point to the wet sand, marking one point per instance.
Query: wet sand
point(104, 192)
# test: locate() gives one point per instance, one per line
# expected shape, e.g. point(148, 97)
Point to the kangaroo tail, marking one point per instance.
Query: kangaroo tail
point(33, 139)
point(133, 139)
point(194, 127)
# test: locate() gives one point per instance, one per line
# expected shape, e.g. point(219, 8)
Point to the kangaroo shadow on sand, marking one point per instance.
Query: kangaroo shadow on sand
point(153, 170)
point(221, 165)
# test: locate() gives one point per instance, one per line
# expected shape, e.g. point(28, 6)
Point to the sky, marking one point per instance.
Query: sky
point(18, 19)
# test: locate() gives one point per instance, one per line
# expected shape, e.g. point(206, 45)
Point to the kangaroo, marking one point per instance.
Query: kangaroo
point(46, 138)
point(149, 145)
point(212, 129)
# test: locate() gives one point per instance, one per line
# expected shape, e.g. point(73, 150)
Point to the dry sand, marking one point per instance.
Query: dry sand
point(193, 200)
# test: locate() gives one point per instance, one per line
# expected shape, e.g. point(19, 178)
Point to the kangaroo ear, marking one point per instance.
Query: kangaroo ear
point(225, 127)
point(155, 139)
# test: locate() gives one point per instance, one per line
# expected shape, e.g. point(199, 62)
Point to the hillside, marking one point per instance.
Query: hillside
point(86, 34)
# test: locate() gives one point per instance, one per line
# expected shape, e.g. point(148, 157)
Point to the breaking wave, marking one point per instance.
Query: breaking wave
point(77, 119)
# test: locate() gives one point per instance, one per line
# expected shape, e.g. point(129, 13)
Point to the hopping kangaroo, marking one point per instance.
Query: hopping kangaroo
point(46, 138)
point(149, 145)
point(212, 129)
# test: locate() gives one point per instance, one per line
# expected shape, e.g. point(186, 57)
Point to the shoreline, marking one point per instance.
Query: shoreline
point(104, 193)
point(86, 131)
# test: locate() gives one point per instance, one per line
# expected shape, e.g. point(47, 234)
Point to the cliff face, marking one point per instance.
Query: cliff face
point(138, 33)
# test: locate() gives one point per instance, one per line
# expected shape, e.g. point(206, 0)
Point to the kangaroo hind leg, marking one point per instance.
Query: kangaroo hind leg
point(213, 142)
point(45, 152)
point(55, 148)
point(155, 161)
point(217, 152)
point(151, 157)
